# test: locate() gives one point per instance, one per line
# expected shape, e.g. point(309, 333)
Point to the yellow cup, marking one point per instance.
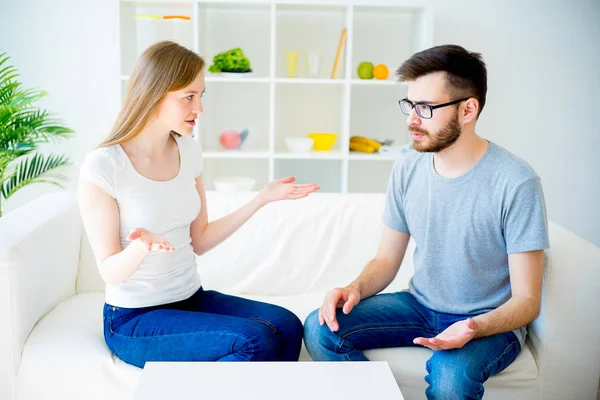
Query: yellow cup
point(291, 59)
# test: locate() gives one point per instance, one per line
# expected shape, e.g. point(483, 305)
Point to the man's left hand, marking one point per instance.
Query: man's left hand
point(454, 337)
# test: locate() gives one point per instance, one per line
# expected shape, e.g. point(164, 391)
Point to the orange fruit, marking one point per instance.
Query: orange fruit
point(381, 71)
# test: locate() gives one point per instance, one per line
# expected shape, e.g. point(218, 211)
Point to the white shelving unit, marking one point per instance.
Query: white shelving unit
point(273, 106)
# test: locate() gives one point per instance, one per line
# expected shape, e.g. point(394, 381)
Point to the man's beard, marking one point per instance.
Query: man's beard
point(444, 138)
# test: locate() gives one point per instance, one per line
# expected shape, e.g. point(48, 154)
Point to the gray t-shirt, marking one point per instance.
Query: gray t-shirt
point(464, 228)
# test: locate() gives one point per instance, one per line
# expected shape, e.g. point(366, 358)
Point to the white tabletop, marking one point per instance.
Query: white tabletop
point(267, 381)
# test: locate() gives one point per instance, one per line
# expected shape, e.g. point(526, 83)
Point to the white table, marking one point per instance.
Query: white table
point(267, 381)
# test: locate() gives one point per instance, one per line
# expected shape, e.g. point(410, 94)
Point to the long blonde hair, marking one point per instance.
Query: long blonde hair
point(161, 68)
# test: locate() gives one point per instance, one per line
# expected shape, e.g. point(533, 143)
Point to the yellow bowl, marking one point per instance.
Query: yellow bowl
point(323, 141)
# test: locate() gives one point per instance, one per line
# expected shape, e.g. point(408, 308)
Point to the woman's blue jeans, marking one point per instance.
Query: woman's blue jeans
point(208, 326)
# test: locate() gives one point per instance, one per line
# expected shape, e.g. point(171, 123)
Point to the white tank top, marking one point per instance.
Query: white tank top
point(167, 208)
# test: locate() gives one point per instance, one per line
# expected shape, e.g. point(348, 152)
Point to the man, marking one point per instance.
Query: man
point(478, 219)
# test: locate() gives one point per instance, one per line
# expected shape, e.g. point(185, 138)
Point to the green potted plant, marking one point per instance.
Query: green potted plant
point(23, 128)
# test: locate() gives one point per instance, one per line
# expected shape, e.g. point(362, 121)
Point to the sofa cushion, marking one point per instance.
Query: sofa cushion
point(518, 381)
point(66, 356)
point(323, 240)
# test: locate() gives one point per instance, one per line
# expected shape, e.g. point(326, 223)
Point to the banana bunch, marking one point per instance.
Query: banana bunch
point(364, 145)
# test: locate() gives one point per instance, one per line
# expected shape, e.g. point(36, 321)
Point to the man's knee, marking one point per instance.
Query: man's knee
point(312, 328)
point(316, 336)
point(451, 377)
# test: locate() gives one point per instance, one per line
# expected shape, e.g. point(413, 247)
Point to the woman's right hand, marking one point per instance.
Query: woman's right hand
point(150, 241)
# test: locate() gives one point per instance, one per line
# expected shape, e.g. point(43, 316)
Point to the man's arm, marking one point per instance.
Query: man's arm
point(382, 270)
point(526, 272)
point(525, 227)
point(375, 277)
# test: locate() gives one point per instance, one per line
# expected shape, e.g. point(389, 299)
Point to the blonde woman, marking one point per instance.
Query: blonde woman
point(143, 206)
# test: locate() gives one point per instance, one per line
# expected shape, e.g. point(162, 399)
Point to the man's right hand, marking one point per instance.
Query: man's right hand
point(150, 241)
point(345, 298)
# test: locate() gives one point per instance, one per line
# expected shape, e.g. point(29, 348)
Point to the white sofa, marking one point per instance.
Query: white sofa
point(290, 253)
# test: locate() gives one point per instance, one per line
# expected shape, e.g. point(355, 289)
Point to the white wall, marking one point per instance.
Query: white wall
point(543, 62)
point(67, 48)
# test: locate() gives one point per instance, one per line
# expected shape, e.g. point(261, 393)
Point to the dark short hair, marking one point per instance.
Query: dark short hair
point(466, 75)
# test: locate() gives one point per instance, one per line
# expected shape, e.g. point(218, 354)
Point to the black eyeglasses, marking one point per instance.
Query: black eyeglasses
point(423, 110)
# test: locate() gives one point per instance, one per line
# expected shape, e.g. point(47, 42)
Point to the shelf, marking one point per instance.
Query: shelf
point(310, 155)
point(158, 2)
point(233, 79)
point(235, 154)
point(220, 5)
point(325, 173)
point(377, 82)
point(309, 28)
point(373, 26)
point(224, 79)
point(304, 81)
point(256, 169)
point(310, 81)
point(382, 119)
point(369, 177)
point(244, 25)
point(138, 34)
point(274, 106)
point(301, 109)
point(242, 105)
point(373, 157)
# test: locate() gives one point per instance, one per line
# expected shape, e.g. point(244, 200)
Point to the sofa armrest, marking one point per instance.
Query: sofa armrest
point(564, 338)
point(39, 259)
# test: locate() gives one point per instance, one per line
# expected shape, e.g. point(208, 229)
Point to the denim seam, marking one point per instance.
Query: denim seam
point(339, 346)
point(266, 322)
point(487, 367)
point(377, 327)
point(110, 319)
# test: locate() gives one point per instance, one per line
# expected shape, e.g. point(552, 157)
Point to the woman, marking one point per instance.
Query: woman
point(143, 206)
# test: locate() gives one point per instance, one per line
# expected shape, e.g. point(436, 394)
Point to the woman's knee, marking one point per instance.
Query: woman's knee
point(257, 342)
point(289, 325)
point(288, 328)
point(283, 323)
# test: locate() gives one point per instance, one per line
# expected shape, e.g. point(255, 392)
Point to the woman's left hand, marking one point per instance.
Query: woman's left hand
point(284, 189)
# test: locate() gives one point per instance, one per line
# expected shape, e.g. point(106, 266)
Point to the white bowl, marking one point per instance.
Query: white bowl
point(298, 144)
point(234, 184)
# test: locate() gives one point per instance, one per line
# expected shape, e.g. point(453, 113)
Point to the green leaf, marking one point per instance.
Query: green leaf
point(23, 128)
point(37, 169)
point(9, 72)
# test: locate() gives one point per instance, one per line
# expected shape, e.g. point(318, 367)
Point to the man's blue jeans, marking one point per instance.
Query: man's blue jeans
point(394, 320)
point(209, 326)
